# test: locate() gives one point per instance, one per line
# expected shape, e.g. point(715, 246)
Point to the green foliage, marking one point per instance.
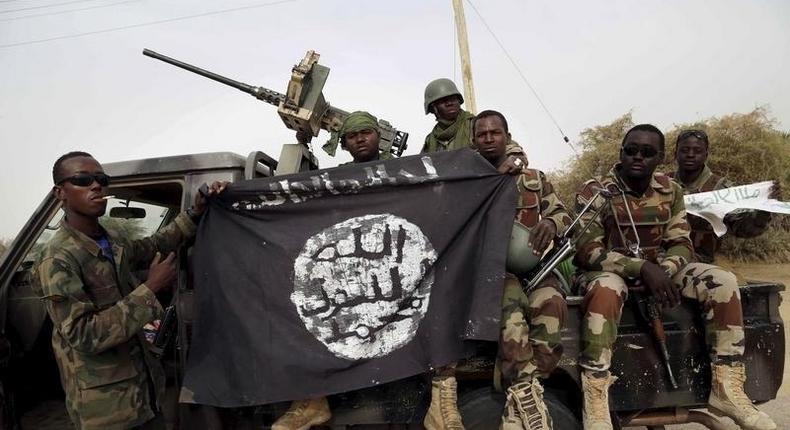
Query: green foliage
point(745, 148)
point(600, 148)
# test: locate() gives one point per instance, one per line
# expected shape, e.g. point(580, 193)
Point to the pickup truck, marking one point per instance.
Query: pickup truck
point(162, 187)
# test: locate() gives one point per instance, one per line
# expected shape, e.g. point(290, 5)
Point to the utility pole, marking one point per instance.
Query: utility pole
point(466, 62)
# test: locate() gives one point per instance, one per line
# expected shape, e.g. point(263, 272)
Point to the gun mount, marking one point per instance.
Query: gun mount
point(303, 107)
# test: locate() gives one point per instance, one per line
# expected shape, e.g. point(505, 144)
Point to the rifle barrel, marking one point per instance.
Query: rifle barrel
point(269, 96)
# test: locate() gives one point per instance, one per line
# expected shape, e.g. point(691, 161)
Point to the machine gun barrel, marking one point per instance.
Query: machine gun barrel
point(303, 108)
point(260, 93)
point(548, 264)
point(564, 246)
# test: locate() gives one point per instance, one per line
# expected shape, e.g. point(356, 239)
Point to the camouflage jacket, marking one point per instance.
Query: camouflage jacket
point(660, 220)
point(98, 310)
point(744, 224)
point(537, 200)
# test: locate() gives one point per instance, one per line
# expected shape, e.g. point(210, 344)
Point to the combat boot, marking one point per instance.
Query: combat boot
point(596, 400)
point(525, 409)
point(728, 398)
point(443, 413)
point(304, 414)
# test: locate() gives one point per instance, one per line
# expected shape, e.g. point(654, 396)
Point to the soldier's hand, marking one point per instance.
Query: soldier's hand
point(200, 200)
point(660, 285)
point(161, 273)
point(513, 165)
point(541, 236)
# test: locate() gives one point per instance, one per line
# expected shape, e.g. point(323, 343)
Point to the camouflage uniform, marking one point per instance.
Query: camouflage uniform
point(98, 310)
point(743, 224)
point(660, 218)
point(530, 336)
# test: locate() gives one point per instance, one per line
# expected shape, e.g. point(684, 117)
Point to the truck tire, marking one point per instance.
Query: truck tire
point(481, 409)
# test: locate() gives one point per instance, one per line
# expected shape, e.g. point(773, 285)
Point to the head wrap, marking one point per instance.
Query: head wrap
point(355, 121)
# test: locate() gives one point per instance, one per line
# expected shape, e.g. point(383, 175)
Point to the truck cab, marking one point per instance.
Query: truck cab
point(162, 187)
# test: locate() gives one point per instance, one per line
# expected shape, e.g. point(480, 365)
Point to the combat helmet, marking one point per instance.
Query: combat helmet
point(520, 258)
point(440, 88)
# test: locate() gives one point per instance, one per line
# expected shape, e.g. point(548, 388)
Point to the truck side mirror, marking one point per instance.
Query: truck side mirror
point(125, 212)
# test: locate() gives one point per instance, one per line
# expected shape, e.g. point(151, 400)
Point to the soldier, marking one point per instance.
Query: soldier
point(659, 221)
point(97, 306)
point(358, 135)
point(529, 344)
point(694, 175)
point(453, 129)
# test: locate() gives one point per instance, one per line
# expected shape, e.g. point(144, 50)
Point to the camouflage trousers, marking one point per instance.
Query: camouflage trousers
point(529, 340)
point(714, 288)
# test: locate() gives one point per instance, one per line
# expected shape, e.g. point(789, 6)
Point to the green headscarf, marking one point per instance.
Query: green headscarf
point(447, 136)
point(355, 121)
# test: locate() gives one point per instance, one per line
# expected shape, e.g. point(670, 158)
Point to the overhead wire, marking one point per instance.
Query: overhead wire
point(44, 6)
point(523, 77)
point(145, 24)
point(16, 18)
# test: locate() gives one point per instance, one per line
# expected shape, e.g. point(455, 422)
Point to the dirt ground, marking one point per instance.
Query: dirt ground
point(778, 408)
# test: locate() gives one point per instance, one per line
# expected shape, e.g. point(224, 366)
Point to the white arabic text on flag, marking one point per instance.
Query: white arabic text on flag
point(713, 206)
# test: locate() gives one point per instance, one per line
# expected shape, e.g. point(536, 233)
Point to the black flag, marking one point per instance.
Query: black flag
point(338, 279)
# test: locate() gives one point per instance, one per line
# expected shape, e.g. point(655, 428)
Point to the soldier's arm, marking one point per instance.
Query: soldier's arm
point(676, 236)
point(552, 207)
point(592, 252)
point(748, 223)
point(167, 239)
point(85, 327)
point(745, 223)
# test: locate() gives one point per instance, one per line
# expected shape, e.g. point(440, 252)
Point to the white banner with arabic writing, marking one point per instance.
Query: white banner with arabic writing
point(714, 205)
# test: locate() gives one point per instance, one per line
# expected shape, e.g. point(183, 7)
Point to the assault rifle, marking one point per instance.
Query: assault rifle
point(650, 312)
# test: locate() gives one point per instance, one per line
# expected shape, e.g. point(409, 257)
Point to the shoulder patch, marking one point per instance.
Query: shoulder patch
point(662, 179)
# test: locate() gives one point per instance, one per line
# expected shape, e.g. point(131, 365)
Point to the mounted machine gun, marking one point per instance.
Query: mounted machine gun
point(303, 109)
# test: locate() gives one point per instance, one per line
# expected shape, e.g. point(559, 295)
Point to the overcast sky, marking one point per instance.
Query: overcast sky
point(591, 61)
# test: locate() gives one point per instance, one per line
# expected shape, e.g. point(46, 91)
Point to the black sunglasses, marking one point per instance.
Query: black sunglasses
point(85, 179)
point(646, 151)
point(699, 134)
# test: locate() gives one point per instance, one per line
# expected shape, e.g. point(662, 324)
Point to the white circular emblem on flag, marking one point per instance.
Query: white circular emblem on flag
point(362, 285)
